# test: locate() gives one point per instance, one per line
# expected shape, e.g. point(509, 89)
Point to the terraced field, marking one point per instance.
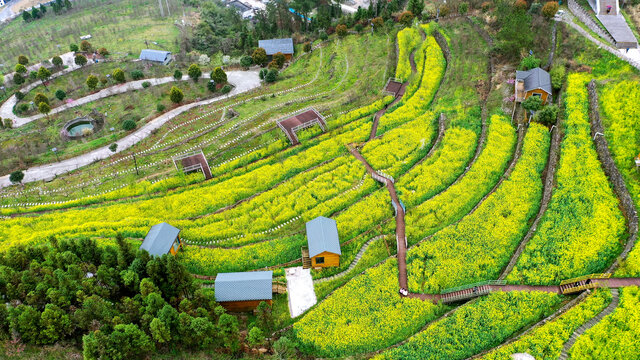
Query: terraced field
point(455, 176)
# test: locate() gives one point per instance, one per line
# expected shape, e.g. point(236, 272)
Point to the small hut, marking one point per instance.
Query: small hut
point(159, 56)
point(162, 239)
point(274, 46)
point(534, 82)
point(193, 161)
point(244, 291)
point(323, 242)
point(302, 120)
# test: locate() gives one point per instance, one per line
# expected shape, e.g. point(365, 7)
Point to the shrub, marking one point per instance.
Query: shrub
point(60, 94)
point(306, 47)
point(547, 115)
point(118, 75)
point(358, 27)
point(44, 108)
point(137, 75)
point(535, 8)
point(146, 84)
point(85, 46)
point(113, 147)
point(219, 76)
point(40, 98)
point(80, 60)
point(225, 89)
point(103, 51)
point(160, 107)
point(8, 124)
point(324, 36)
point(103, 80)
point(176, 94)
point(19, 95)
point(279, 58)
point(73, 47)
point(246, 61)
point(341, 30)
point(521, 4)
point(33, 75)
point(23, 60)
point(177, 74)
point(128, 125)
point(259, 56)
point(57, 61)
point(463, 8)
point(273, 65)
point(486, 6)
point(20, 69)
point(22, 108)
point(530, 62)
point(18, 79)
point(558, 74)
point(194, 72)
point(211, 85)
point(532, 103)
point(550, 9)
point(256, 336)
point(263, 73)
point(271, 76)
point(407, 17)
point(92, 82)
point(16, 177)
point(445, 10)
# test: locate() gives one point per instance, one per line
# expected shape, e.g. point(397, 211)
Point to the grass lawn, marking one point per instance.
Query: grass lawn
point(121, 26)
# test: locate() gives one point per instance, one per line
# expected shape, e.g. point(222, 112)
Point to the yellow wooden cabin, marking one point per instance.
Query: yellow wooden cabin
point(323, 242)
point(534, 82)
point(162, 239)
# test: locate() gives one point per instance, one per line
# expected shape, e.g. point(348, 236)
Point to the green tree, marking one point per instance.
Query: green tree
point(73, 47)
point(515, 30)
point(279, 59)
point(271, 76)
point(159, 331)
point(25, 320)
point(18, 79)
point(246, 61)
point(43, 9)
point(176, 95)
point(4, 321)
point(26, 16)
point(306, 47)
point(21, 69)
point(228, 331)
point(256, 336)
point(40, 98)
point(43, 74)
point(529, 62)
point(558, 74)
point(80, 60)
point(211, 85)
point(264, 317)
point(463, 8)
point(92, 82)
point(177, 74)
point(60, 94)
point(129, 125)
point(23, 60)
point(406, 18)
point(128, 342)
point(532, 103)
point(57, 61)
point(259, 56)
point(341, 30)
point(283, 349)
point(416, 7)
point(219, 76)
point(55, 325)
point(44, 108)
point(113, 147)
point(35, 13)
point(203, 331)
point(194, 72)
point(118, 75)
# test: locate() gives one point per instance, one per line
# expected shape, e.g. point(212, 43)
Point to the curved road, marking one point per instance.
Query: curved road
point(242, 80)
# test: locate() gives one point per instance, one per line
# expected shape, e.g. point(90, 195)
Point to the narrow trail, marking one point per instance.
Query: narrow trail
point(615, 300)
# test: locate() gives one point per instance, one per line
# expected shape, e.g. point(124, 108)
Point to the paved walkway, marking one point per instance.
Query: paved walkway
point(68, 59)
point(300, 290)
point(242, 80)
point(6, 110)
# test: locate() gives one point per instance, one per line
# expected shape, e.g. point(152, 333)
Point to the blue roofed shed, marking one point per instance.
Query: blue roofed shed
point(160, 56)
point(273, 46)
point(243, 291)
point(162, 239)
point(323, 242)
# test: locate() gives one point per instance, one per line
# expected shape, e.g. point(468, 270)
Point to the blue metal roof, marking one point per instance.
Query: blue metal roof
point(160, 239)
point(322, 235)
point(273, 46)
point(154, 55)
point(243, 286)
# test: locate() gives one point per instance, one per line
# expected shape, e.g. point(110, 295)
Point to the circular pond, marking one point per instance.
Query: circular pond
point(77, 128)
point(80, 128)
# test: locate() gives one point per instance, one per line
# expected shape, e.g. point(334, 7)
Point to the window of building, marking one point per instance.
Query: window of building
point(320, 260)
point(176, 246)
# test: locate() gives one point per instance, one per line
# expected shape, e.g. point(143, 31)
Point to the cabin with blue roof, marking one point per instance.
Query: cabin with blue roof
point(274, 46)
point(244, 291)
point(159, 56)
point(162, 239)
point(323, 244)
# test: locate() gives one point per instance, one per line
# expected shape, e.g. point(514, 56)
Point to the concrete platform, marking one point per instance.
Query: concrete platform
point(300, 290)
point(617, 26)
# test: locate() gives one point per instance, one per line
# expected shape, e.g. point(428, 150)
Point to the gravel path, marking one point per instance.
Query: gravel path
point(242, 80)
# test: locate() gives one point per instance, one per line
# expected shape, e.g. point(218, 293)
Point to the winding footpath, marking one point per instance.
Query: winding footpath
point(242, 80)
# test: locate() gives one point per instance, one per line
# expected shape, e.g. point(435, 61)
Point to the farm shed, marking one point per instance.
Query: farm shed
point(302, 120)
point(534, 82)
point(273, 46)
point(244, 291)
point(162, 239)
point(163, 57)
point(193, 161)
point(323, 242)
